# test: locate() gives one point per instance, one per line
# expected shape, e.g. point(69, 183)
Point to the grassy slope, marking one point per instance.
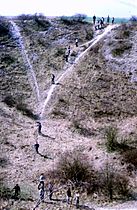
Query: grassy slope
point(93, 95)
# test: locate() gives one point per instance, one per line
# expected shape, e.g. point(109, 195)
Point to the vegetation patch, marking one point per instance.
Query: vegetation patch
point(122, 48)
point(112, 144)
point(81, 129)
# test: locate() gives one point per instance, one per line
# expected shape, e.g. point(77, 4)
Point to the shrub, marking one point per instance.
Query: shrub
point(59, 52)
point(5, 192)
point(74, 167)
point(79, 17)
point(25, 111)
point(112, 144)
point(73, 19)
point(130, 156)
point(82, 130)
point(3, 161)
point(41, 21)
point(111, 138)
point(118, 51)
point(9, 100)
point(4, 27)
point(112, 184)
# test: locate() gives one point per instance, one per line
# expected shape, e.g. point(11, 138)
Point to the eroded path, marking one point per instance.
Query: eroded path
point(90, 44)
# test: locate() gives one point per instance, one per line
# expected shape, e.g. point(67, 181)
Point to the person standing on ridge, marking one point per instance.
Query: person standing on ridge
point(94, 19)
point(108, 19)
point(113, 19)
point(103, 19)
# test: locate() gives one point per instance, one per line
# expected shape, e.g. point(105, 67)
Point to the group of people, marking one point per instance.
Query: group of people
point(50, 189)
point(99, 24)
point(67, 54)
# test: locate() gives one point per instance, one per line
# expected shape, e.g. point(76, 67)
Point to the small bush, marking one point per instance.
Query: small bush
point(81, 129)
point(111, 138)
point(7, 59)
point(3, 161)
point(74, 167)
point(9, 100)
point(60, 52)
point(41, 21)
point(118, 51)
point(112, 184)
point(130, 156)
point(73, 19)
point(4, 27)
point(25, 111)
point(5, 192)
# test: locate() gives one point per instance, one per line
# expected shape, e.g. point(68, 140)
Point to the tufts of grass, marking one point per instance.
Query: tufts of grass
point(122, 48)
point(112, 144)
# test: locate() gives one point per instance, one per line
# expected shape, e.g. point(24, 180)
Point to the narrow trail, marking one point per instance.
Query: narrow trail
point(91, 43)
point(31, 75)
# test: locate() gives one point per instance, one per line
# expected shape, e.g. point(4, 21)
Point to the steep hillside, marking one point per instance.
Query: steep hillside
point(90, 111)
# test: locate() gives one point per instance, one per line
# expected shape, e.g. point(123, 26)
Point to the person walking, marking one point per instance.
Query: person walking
point(67, 53)
point(94, 19)
point(36, 146)
point(39, 127)
point(77, 199)
point(50, 188)
point(41, 194)
point(16, 191)
point(52, 79)
point(76, 42)
point(68, 195)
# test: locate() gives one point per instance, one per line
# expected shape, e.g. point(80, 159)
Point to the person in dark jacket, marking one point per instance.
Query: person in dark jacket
point(52, 79)
point(94, 19)
point(16, 191)
point(39, 127)
point(68, 195)
point(36, 146)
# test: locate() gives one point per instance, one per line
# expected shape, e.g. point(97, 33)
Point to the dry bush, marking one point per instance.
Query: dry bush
point(25, 111)
point(73, 19)
point(112, 184)
point(130, 156)
point(9, 100)
point(122, 48)
point(74, 167)
point(4, 27)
